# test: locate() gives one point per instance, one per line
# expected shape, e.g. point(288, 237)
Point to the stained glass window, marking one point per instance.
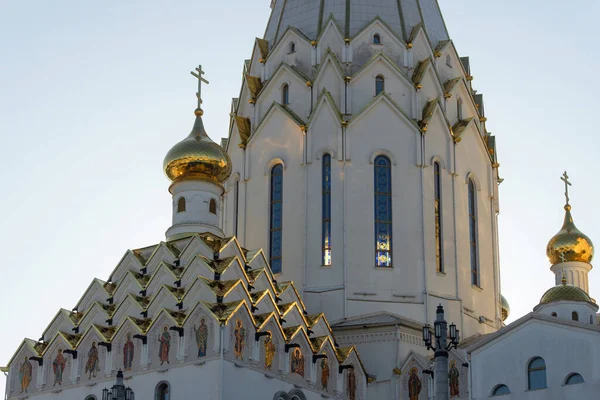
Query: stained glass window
point(276, 204)
point(326, 213)
point(383, 211)
point(379, 84)
point(437, 188)
point(536, 374)
point(473, 233)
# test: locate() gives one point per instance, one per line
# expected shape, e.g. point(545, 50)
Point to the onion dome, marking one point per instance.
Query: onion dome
point(570, 242)
point(505, 307)
point(565, 292)
point(197, 157)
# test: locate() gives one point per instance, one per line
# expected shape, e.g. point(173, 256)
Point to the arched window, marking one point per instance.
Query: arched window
point(591, 319)
point(181, 205)
point(383, 211)
point(459, 108)
point(379, 84)
point(162, 392)
point(212, 206)
point(292, 47)
point(536, 374)
point(236, 206)
point(326, 213)
point(91, 397)
point(574, 379)
point(448, 60)
point(575, 316)
point(276, 215)
point(376, 38)
point(437, 192)
point(473, 233)
point(500, 390)
point(554, 314)
point(285, 94)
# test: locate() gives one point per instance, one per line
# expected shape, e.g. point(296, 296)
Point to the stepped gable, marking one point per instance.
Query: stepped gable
point(172, 288)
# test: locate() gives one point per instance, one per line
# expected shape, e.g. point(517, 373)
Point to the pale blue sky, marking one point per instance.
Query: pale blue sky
point(93, 94)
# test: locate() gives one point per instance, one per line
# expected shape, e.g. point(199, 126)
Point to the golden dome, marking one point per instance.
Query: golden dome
point(505, 308)
point(197, 157)
point(565, 292)
point(571, 242)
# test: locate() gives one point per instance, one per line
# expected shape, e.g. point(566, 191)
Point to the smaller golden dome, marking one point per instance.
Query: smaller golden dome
point(505, 307)
point(571, 242)
point(197, 157)
point(565, 292)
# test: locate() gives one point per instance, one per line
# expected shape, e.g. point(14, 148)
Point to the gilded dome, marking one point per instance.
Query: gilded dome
point(565, 292)
point(571, 242)
point(505, 308)
point(197, 157)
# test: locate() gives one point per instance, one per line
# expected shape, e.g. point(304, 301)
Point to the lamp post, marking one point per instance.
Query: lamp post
point(118, 391)
point(441, 348)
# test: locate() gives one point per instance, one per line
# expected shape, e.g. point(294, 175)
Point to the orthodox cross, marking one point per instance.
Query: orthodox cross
point(565, 179)
point(198, 76)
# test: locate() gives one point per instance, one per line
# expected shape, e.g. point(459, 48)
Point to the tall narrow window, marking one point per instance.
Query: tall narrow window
point(162, 391)
point(376, 39)
point(276, 217)
point(379, 84)
point(236, 206)
point(536, 374)
point(212, 206)
point(575, 316)
point(326, 213)
point(383, 211)
point(473, 233)
point(437, 188)
point(292, 47)
point(181, 204)
point(459, 108)
point(285, 94)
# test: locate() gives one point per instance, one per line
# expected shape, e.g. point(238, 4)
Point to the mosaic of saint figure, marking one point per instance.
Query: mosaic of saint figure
point(201, 337)
point(351, 384)
point(297, 362)
point(92, 364)
point(240, 339)
point(414, 385)
point(269, 352)
point(58, 366)
point(128, 351)
point(165, 346)
point(25, 372)
point(324, 373)
point(453, 378)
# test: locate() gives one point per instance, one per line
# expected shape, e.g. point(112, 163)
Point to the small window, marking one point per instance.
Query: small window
point(285, 94)
point(292, 47)
point(500, 390)
point(181, 205)
point(459, 108)
point(574, 379)
point(212, 207)
point(376, 39)
point(554, 314)
point(90, 398)
point(536, 374)
point(448, 60)
point(575, 316)
point(379, 84)
point(162, 391)
point(591, 319)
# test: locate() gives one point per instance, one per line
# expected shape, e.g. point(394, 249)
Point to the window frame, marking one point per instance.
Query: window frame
point(437, 198)
point(575, 316)
point(497, 388)
point(285, 94)
point(158, 386)
point(181, 205)
point(292, 48)
point(272, 210)
point(571, 376)
point(377, 39)
point(473, 233)
point(378, 197)
point(236, 207)
point(326, 210)
point(533, 369)
point(379, 81)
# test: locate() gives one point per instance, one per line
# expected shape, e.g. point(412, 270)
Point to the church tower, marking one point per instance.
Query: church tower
point(197, 168)
point(361, 163)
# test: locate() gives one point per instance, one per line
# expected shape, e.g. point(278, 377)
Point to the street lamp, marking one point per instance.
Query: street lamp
point(118, 391)
point(441, 348)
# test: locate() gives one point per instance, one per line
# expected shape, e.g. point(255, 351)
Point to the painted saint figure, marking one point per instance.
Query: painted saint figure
point(324, 373)
point(165, 346)
point(351, 384)
point(269, 352)
point(25, 372)
point(91, 366)
point(240, 339)
point(414, 385)
point(201, 337)
point(453, 379)
point(297, 362)
point(58, 366)
point(128, 352)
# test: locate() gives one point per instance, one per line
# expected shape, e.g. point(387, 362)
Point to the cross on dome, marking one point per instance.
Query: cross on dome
point(565, 179)
point(198, 75)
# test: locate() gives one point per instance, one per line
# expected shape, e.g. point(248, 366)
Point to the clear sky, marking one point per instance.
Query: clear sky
point(93, 94)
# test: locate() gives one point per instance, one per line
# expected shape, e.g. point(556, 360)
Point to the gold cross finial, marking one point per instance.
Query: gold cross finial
point(565, 179)
point(198, 75)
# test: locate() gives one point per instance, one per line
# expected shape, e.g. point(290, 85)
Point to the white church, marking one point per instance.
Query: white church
point(357, 191)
